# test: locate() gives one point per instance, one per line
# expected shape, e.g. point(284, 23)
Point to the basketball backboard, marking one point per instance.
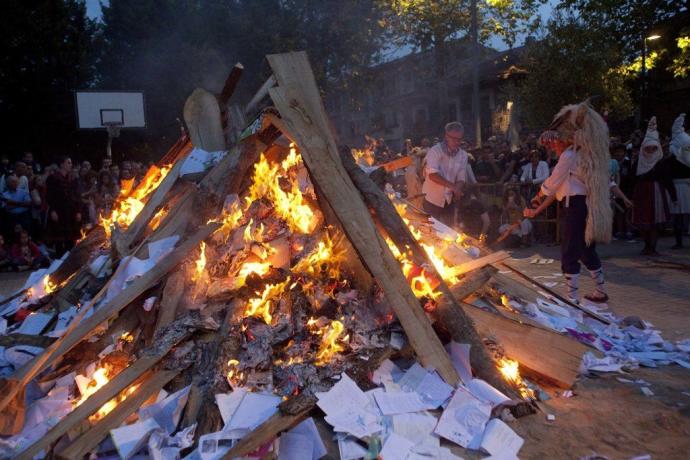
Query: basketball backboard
point(100, 109)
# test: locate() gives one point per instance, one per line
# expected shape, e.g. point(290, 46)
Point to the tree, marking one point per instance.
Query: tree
point(432, 24)
point(48, 52)
point(169, 47)
point(571, 63)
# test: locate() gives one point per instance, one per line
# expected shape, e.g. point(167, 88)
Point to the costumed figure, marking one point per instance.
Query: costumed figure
point(651, 182)
point(680, 170)
point(580, 182)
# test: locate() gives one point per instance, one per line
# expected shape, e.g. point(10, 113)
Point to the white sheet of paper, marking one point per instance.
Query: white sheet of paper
point(35, 323)
point(486, 392)
point(418, 427)
point(460, 357)
point(213, 446)
point(500, 440)
point(228, 404)
point(413, 377)
point(395, 448)
point(64, 319)
point(254, 409)
point(342, 394)
point(356, 421)
point(433, 390)
point(386, 373)
point(129, 439)
point(165, 447)
point(167, 412)
point(308, 428)
point(295, 446)
point(399, 402)
point(349, 448)
point(464, 419)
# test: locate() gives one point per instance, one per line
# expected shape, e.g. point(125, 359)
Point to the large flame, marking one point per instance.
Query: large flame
point(261, 306)
point(330, 342)
point(289, 205)
point(130, 202)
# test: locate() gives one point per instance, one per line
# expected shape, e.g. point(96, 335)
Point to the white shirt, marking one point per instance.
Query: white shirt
point(452, 168)
point(539, 177)
point(563, 180)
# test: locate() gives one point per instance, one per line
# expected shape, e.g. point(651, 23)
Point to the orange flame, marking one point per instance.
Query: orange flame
point(327, 252)
point(510, 370)
point(158, 218)
point(329, 342)
point(261, 306)
point(129, 205)
point(200, 263)
point(98, 380)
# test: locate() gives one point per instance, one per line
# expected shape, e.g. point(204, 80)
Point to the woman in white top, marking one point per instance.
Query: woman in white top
point(580, 180)
point(536, 171)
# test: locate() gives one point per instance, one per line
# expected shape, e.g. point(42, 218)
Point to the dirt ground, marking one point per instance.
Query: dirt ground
point(605, 416)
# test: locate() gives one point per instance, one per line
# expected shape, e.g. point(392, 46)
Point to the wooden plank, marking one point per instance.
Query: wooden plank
point(172, 293)
point(483, 261)
point(471, 283)
point(260, 94)
point(231, 83)
point(556, 294)
point(81, 328)
point(398, 163)
point(89, 441)
point(549, 354)
point(299, 103)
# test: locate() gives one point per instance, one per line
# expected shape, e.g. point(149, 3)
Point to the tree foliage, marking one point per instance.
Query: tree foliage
point(169, 47)
point(48, 51)
point(571, 63)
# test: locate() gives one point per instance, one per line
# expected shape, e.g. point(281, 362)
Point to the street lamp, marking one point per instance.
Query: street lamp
point(643, 93)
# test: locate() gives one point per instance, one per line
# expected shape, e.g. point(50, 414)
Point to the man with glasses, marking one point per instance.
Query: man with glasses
point(447, 170)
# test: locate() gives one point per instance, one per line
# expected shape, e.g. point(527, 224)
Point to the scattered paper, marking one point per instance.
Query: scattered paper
point(399, 402)
point(464, 419)
point(165, 447)
point(460, 357)
point(344, 393)
point(482, 390)
point(35, 323)
point(349, 448)
point(295, 446)
point(129, 439)
point(500, 440)
point(396, 447)
point(254, 409)
point(308, 428)
point(167, 412)
point(228, 403)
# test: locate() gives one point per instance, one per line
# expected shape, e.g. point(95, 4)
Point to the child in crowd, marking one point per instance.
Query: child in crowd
point(511, 219)
point(25, 254)
point(5, 261)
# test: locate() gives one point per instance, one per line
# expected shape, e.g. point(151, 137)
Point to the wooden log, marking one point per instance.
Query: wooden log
point(549, 354)
point(202, 116)
point(231, 83)
point(297, 99)
point(260, 94)
point(172, 293)
point(483, 261)
point(81, 328)
point(397, 230)
point(89, 441)
point(472, 282)
point(282, 420)
point(398, 163)
point(555, 294)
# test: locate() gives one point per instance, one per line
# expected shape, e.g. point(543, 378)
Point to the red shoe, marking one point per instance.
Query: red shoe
point(597, 298)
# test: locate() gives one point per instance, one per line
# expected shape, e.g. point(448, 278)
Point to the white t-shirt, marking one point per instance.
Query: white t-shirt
point(563, 180)
point(452, 168)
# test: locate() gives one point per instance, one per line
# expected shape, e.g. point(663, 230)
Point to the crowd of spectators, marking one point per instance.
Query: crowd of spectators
point(506, 179)
point(44, 210)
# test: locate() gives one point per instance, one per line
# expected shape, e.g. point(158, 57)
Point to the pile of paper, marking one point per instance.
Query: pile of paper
point(402, 414)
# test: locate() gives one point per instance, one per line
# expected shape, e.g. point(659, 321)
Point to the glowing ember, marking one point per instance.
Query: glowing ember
point(200, 263)
point(363, 157)
point(230, 221)
point(82, 236)
point(260, 268)
point(48, 288)
point(329, 343)
point(511, 373)
point(261, 306)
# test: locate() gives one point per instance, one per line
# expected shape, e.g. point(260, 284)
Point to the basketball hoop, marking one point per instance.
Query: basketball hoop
point(113, 128)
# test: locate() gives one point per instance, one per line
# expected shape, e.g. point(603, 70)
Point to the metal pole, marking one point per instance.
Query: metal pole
point(643, 90)
point(476, 112)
